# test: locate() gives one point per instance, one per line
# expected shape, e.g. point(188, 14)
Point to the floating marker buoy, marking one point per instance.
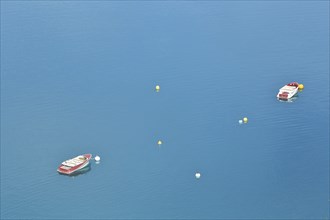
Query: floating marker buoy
point(245, 119)
point(301, 86)
point(97, 158)
point(159, 142)
point(240, 121)
point(198, 175)
point(157, 88)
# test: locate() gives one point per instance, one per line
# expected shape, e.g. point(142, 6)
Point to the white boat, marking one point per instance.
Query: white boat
point(288, 91)
point(75, 164)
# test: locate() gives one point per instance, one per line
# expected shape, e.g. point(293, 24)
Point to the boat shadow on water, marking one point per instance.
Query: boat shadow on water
point(79, 172)
point(293, 99)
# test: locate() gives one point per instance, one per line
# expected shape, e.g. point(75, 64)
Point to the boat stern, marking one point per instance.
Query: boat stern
point(283, 95)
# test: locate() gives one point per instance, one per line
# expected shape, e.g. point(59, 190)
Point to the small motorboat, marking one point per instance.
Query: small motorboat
point(75, 164)
point(288, 91)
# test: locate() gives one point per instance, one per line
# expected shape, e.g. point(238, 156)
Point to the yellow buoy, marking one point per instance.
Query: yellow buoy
point(245, 119)
point(157, 88)
point(301, 86)
point(159, 142)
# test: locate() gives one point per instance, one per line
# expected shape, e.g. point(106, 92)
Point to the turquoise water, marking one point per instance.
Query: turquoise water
point(79, 77)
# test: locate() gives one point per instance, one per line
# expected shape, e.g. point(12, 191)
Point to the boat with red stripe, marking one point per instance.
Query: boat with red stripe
point(75, 164)
point(288, 91)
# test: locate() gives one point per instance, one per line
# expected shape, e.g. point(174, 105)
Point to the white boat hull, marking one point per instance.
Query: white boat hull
point(287, 91)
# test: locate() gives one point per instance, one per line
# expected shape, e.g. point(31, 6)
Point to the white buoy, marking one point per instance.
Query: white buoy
point(97, 158)
point(240, 121)
point(198, 175)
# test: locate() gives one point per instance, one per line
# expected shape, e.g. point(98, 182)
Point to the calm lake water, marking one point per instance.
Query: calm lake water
point(79, 77)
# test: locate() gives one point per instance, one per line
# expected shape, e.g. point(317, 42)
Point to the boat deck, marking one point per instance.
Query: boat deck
point(74, 161)
point(288, 88)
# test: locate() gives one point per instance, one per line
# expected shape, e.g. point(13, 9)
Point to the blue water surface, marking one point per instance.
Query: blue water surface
point(79, 77)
